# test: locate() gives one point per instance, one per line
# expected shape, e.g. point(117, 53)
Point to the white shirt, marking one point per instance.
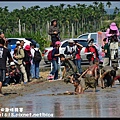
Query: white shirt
point(33, 51)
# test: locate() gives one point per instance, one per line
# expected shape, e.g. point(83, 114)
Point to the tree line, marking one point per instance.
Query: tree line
point(35, 21)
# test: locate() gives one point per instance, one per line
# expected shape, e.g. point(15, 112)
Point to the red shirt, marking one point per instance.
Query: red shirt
point(91, 49)
point(78, 54)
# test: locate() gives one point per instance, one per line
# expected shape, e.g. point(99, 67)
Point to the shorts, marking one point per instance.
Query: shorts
point(2, 75)
point(88, 81)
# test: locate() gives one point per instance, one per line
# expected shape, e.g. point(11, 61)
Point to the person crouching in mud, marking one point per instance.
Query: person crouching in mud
point(108, 75)
point(69, 73)
point(89, 78)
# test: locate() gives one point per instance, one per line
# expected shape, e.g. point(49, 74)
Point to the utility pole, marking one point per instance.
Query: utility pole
point(72, 30)
point(19, 28)
point(48, 30)
point(24, 27)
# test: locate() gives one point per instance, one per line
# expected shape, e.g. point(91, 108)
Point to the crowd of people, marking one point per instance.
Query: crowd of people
point(95, 75)
point(24, 62)
point(19, 67)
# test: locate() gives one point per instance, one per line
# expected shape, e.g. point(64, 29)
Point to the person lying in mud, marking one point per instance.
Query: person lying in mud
point(108, 76)
point(89, 77)
point(78, 88)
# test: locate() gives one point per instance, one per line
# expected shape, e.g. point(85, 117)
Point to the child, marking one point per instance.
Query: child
point(78, 88)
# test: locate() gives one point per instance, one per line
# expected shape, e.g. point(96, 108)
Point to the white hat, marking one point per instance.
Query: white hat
point(12, 63)
point(70, 41)
point(18, 42)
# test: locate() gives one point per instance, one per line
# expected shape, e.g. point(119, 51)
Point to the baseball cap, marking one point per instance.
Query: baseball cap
point(18, 42)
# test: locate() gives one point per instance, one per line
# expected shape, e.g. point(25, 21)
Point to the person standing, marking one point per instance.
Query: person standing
point(112, 31)
point(106, 50)
point(27, 60)
point(2, 35)
point(35, 65)
point(4, 54)
point(55, 56)
point(19, 57)
point(70, 50)
point(78, 57)
point(54, 32)
point(94, 53)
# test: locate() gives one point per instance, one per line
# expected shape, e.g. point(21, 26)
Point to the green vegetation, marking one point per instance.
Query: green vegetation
point(35, 20)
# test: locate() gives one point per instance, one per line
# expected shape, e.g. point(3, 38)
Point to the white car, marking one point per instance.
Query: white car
point(89, 35)
point(62, 49)
point(12, 43)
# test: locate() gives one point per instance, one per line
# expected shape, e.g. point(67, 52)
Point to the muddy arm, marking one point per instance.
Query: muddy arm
point(64, 71)
point(83, 74)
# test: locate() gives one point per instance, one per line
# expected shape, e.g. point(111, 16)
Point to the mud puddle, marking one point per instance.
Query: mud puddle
point(49, 102)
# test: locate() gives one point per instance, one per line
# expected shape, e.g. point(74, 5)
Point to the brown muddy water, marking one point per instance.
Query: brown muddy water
point(103, 103)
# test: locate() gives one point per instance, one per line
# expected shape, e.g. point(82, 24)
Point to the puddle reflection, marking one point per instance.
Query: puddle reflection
point(99, 104)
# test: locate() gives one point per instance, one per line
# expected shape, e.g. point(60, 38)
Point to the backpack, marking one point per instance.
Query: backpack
point(49, 56)
point(27, 58)
point(37, 56)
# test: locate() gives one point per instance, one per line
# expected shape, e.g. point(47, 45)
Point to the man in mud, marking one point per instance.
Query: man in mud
point(108, 76)
point(69, 68)
point(70, 73)
point(89, 77)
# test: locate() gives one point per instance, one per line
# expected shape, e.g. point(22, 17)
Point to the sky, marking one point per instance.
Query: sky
point(18, 4)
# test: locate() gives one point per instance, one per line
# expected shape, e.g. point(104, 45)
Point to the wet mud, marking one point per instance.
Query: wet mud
point(51, 99)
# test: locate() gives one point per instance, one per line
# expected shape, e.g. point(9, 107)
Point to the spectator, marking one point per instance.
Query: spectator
point(94, 53)
point(54, 32)
point(15, 50)
point(13, 75)
point(4, 54)
point(19, 57)
point(106, 50)
point(78, 57)
point(2, 35)
point(55, 56)
point(112, 31)
point(70, 50)
point(35, 66)
point(27, 60)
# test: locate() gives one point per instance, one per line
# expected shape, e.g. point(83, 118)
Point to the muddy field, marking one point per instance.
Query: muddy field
point(44, 97)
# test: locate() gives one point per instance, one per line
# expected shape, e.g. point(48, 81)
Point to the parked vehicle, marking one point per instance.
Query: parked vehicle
point(62, 49)
point(12, 42)
point(88, 36)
